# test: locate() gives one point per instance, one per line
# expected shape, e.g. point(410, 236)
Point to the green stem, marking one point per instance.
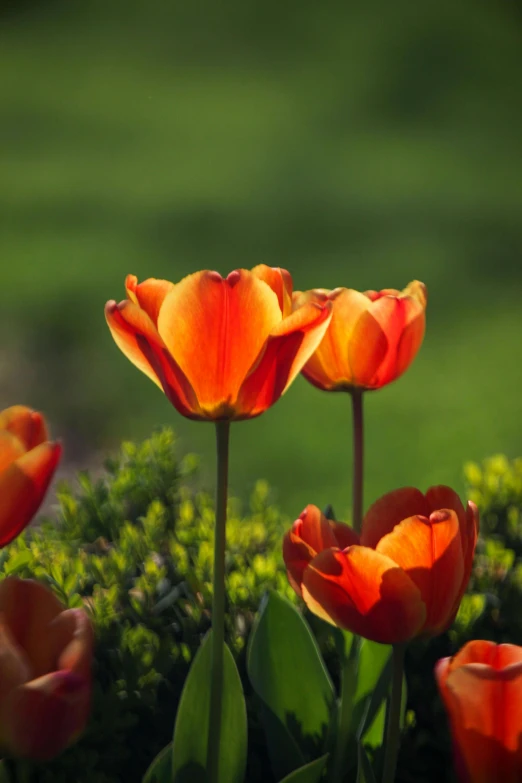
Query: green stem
point(218, 602)
point(358, 458)
point(348, 685)
point(393, 727)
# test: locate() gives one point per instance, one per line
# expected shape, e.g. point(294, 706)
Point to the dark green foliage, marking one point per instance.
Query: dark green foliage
point(135, 548)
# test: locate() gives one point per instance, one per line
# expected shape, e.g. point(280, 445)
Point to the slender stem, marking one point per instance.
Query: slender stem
point(218, 602)
point(393, 727)
point(358, 458)
point(348, 685)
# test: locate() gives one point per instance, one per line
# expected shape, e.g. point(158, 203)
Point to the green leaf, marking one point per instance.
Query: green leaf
point(310, 773)
point(364, 767)
point(16, 564)
point(189, 748)
point(160, 771)
point(372, 688)
point(289, 677)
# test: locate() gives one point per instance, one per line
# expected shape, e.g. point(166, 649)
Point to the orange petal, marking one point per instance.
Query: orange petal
point(280, 281)
point(149, 295)
point(345, 535)
point(26, 424)
point(408, 346)
point(367, 351)
point(290, 345)
point(364, 592)
point(430, 552)
point(215, 330)
point(11, 447)
point(137, 337)
point(22, 488)
point(389, 510)
point(310, 534)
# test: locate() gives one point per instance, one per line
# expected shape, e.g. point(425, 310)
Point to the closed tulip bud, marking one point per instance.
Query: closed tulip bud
point(403, 577)
point(27, 464)
point(372, 339)
point(220, 348)
point(45, 671)
point(481, 687)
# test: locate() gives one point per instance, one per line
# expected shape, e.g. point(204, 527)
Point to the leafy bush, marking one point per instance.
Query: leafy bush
point(135, 548)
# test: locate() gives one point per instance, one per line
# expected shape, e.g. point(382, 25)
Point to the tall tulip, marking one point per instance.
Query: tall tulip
point(27, 464)
point(222, 350)
point(405, 575)
point(45, 671)
point(481, 687)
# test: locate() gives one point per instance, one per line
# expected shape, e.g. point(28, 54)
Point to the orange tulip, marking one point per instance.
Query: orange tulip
point(45, 671)
point(373, 336)
point(221, 349)
point(405, 576)
point(481, 688)
point(27, 464)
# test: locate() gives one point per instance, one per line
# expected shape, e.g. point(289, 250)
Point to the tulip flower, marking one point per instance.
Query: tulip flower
point(45, 671)
point(481, 687)
point(27, 464)
point(221, 349)
point(373, 337)
point(403, 577)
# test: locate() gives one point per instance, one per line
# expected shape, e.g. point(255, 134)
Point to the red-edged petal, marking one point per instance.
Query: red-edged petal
point(11, 447)
point(26, 424)
point(288, 348)
point(344, 534)
point(430, 552)
point(149, 295)
point(364, 592)
point(310, 534)
point(22, 488)
point(280, 281)
point(389, 510)
point(215, 329)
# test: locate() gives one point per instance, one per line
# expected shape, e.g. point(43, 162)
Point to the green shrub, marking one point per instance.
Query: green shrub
point(135, 548)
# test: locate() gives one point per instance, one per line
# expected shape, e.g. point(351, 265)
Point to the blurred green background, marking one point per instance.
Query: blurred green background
point(356, 143)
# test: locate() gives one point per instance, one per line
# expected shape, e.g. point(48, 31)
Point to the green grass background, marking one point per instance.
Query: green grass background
point(356, 143)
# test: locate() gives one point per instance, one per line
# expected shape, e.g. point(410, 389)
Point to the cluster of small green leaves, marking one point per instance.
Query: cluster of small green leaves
point(134, 547)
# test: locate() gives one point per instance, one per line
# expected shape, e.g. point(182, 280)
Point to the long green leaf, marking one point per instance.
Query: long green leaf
point(372, 688)
point(365, 772)
point(160, 771)
point(189, 748)
point(289, 677)
point(310, 773)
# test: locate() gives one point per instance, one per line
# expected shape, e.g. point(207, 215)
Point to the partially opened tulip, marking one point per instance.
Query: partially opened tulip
point(481, 688)
point(372, 339)
point(220, 348)
point(406, 574)
point(27, 464)
point(45, 671)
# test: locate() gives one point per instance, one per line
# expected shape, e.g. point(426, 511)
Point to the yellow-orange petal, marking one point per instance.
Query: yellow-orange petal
point(215, 328)
point(26, 424)
point(288, 348)
point(11, 447)
point(149, 295)
point(389, 510)
point(430, 552)
point(23, 485)
point(367, 351)
point(364, 592)
point(137, 337)
point(280, 281)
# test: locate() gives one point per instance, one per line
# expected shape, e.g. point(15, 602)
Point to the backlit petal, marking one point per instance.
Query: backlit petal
point(11, 447)
point(364, 592)
point(149, 295)
point(26, 424)
point(389, 510)
point(280, 281)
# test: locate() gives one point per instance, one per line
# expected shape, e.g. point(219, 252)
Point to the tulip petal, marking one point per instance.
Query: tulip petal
point(11, 447)
point(345, 535)
point(409, 344)
point(14, 667)
point(401, 318)
point(389, 510)
point(310, 534)
point(137, 337)
point(280, 281)
point(149, 295)
point(288, 348)
point(22, 488)
point(367, 351)
point(430, 552)
point(215, 329)
point(26, 424)
point(364, 592)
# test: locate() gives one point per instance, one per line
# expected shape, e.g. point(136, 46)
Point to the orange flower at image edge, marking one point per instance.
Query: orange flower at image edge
point(372, 339)
point(221, 349)
point(481, 687)
point(406, 574)
point(45, 671)
point(27, 464)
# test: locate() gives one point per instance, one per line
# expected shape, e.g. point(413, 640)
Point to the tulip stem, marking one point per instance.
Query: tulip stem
point(393, 725)
point(350, 665)
point(218, 603)
point(358, 459)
